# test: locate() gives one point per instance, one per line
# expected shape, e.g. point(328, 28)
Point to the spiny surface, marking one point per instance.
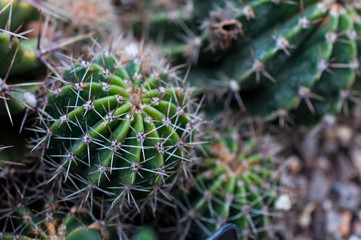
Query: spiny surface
point(119, 130)
point(233, 184)
point(54, 224)
point(280, 54)
point(14, 16)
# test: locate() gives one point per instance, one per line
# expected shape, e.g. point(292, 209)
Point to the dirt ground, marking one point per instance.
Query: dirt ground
point(323, 173)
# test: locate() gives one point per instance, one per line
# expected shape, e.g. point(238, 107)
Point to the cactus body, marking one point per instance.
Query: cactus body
point(53, 225)
point(234, 184)
point(144, 233)
point(279, 53)
point(15, 18)
point(120, 129)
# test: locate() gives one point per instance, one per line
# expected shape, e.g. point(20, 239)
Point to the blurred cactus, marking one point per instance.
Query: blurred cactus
point(233, 184)
point(54, 224)
point(278, 53)
point(13, 24)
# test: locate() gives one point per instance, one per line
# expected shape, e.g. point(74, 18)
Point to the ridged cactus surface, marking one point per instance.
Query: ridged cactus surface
point(233, 184)
point(280, 54)
point(13, 22)
point(51, 224)
point(118, 129)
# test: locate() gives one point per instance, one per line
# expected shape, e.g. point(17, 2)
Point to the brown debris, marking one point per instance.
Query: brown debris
point(223, 28)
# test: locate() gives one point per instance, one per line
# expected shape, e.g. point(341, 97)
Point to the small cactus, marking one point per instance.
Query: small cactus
point(233, 184)
point(53, 224)
point(118, 129)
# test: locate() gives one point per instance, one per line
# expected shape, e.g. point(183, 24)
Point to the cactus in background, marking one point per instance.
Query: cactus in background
point(3, 162)
point(16, 96)
point(14, 18)
point(54, 224)
point(233, 184)
point(119, 129)
point(278, 53)
point(144, 233)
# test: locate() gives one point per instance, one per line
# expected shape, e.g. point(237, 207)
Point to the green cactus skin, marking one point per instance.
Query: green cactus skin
point(279, 53)
point(26, 57)
point(118, 129)
point(144, 233)
point(16, 96)
point(234, 184)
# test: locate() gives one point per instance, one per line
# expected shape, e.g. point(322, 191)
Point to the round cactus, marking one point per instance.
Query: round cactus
point(118, 129)
point(233, 184)
point(50, 224)
point(280, 54)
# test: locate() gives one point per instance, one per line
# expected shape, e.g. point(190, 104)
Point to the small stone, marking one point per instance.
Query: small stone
point(349, 195)
point(355, 154)
point(319, 187)
point(344, 134)
point(333, 222)
point(345, 226)
point(301, 237)
point(356, 228)
point(305, 218)
point(283, 203)
point(294, 165)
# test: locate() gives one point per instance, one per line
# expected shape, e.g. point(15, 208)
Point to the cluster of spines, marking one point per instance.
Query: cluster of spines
point(118, 130)
point(278, 53)
point(54, 223)
point(18, 57)
point(233, 184)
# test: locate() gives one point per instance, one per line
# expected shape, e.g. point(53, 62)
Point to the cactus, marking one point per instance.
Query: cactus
point(83, 15)
point(144, 233)
point(233, 184)
point(118, 129)
point(278, 53)
point(53, 224)
point(14, 18)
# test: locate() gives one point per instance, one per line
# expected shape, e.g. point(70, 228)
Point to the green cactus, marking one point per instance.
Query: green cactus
point(233, 184)
point(13, 19)
point(118, 129)
point(144, 233)
point(278, 53)
point(51, 224)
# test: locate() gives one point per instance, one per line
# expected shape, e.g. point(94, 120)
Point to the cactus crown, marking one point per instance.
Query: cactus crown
point(234, 184)
point(119, 129)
